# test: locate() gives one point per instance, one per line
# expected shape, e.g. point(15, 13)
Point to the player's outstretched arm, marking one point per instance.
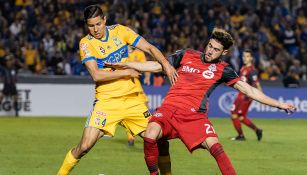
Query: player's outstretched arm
point(147, 66)
point(257, 95)
point(102, 75)
point(154, 52)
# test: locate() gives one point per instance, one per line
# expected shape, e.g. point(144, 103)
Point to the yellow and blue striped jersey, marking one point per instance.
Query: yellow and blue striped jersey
point(112, 48)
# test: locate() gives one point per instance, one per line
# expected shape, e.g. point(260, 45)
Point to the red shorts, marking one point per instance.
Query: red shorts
point(241, 105)
point(192, 128)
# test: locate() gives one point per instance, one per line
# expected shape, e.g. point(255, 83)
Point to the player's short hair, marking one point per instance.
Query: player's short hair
point(92, 11)
point(222, 37)
point(248, 51)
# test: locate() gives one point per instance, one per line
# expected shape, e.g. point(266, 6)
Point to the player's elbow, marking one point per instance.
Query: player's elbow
point(96, 77)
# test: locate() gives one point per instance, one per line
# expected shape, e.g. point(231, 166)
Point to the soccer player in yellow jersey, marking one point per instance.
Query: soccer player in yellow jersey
point(117, 96)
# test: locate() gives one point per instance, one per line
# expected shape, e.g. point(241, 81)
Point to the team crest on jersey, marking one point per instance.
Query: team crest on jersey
point(109, 47)
point(116, 41)
point(243, 78)
point(102, 50)
point(209, 74)
point(212, 67)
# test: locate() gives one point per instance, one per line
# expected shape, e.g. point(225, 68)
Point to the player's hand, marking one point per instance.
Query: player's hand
point(132, 73)
point(170, 72)
point(118, 65)
point(287, 107)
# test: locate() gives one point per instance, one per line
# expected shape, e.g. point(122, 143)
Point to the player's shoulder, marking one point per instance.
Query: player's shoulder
point(114, 27)
point(86, 38)
point(224, 64)
point(192, 51)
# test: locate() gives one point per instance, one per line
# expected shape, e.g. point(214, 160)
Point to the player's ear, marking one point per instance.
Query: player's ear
point(104, 18)
point(224, 52)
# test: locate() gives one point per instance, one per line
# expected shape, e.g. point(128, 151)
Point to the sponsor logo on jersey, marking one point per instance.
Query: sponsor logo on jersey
point(147, 114)
point(101, 113)
point(116, 41)
point(190, 69)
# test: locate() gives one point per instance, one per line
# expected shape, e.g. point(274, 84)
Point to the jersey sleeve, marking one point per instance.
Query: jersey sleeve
point(230, 76)
point(128, 35)
point(86, 52)
point(253, 76)
point(175, 58)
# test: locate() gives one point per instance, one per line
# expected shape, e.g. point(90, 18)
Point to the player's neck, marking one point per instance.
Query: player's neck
point(248, 65)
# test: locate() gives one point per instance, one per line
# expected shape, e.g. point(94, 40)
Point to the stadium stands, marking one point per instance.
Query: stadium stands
point(43, 35)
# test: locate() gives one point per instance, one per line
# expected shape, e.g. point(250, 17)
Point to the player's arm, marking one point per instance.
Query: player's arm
point(154, 52)
point(257, 95)
point(102, 75)
point(147, 66)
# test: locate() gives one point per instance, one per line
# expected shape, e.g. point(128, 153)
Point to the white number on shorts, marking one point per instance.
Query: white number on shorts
point(209, 129)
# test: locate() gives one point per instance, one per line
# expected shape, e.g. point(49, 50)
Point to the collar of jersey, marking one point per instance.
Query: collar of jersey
point(107, 35)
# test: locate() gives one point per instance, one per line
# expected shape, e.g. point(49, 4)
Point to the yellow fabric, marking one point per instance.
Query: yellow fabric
point(30, 56)
point(301, 20)
point(138, 56)
point(112, 48)
point(68, 164)
point(128, 110)
point(237, 18)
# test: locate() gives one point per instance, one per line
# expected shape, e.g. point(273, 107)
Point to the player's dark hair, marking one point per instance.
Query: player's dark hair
point(222, 37)
point(92, 11)
point(248, 51)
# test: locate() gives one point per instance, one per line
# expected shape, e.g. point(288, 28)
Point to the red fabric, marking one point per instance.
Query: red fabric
point(222, 160)
point(196, 81)
point(249, 123)
point(237, 124)
point(151, 155)
point(241, 105)
point(191, 127)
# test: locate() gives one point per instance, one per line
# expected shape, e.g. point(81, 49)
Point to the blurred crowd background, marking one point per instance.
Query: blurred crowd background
point(42, 36)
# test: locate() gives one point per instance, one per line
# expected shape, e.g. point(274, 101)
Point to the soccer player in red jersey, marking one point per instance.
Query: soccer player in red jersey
point(183, 113)
point(248, 74)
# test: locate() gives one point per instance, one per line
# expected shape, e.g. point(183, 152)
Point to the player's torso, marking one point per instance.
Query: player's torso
point(245, 74)
point(196, 80)
point(112, 48)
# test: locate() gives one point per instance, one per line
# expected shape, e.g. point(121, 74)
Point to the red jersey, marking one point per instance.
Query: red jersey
point(197, 79)
point(249, 75)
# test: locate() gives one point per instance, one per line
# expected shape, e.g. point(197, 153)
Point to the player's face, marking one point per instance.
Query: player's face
point(96, 26)
point(247, 58)
point(214, 50)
